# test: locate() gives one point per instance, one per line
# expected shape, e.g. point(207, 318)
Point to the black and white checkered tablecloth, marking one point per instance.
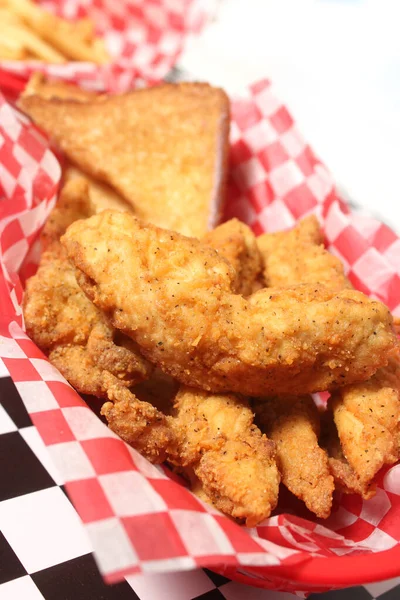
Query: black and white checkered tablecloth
point(44, 552)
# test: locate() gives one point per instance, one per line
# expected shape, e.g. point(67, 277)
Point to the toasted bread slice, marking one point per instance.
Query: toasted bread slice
point(164, 149)
point(101, 195)
point(39, 85)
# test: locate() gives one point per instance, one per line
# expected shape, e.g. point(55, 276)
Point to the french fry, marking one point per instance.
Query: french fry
point(9, 52)
point(74, 48)
point(101, 51)
point(84, 28)
point(60, 33)
point(30, 42)
point(7, 16)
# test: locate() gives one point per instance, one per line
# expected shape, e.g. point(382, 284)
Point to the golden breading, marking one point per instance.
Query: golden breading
point(293, 424)
point(101, 195)
point(234, 462)
point(237, 243)
point(77, 337)
point(298, 256)
point(346, 479)
point(177, 305)
point(367, 416)
point(164, 149)
point(138, 422)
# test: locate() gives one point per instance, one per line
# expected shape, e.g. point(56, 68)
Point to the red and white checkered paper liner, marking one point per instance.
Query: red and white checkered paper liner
point(136, 516)
point(143, 37)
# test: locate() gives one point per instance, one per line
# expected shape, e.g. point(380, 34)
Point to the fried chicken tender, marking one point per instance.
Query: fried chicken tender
point(298, 256)
point(209, 438)
point(346, 479)
point(61, 320)
point(367, 416)
point(137, 422)
point(234, 463)
point(237, 243)
point(293, 424)
point(177, 305)
point(101, 195)
point(159, 390)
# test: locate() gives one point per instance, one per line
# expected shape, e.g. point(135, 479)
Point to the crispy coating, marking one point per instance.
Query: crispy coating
point(293, 424)
point(177, 305)
point(210, 439)
point(101, 195)
point(367, 416)
point(159, 389)
point(196, 486)
point(346, 479)
point(72, 205)
point(137, 422)
point(233, 461)
point(61, 320)
point(237, 243)
point(164, 149)
point(298, 256)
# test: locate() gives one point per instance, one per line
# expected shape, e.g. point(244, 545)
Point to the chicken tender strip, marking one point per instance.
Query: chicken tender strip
point(298, 256)
point(293, 424)
point(237, 243)
point(203, 436)
point(61, 320)
point(346, 479)
point(367, 417)
point(177, 305)
point(159, 390)
point(137, 422)
point(366, 414)
point(102, 195)
point(233, 461)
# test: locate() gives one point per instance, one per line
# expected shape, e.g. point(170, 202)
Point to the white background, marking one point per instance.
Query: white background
point(336, 64)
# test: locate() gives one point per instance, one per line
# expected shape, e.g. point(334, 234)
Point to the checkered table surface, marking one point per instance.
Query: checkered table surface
point(44, 551)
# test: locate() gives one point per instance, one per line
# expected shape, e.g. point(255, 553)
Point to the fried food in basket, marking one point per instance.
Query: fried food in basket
point(346, 479)
point(292, 422)
point(298, 256)
point(237, 243)
point(209, 437)
point(178, 307)
point(164, 149)
point(175, 332)
point(101, 195)
point(44, 36)
point(138, 422)
point(76, 336)
point(234, 463)
point(367, 414)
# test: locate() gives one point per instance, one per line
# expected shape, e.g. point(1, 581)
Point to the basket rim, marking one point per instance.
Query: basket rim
point(331, 572)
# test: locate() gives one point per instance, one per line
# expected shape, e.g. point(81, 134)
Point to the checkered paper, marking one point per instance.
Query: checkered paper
point(143, 37)
point(42, 541)
point(138, 519)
